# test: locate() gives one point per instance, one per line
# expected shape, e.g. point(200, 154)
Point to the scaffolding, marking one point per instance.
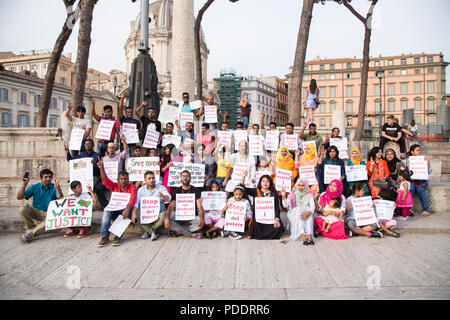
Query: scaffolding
point(229, 90)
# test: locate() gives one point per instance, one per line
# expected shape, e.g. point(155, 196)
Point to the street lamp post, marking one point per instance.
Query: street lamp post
point(380, 75)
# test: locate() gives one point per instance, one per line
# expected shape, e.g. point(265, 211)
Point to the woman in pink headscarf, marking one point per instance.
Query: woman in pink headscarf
point(336, 231)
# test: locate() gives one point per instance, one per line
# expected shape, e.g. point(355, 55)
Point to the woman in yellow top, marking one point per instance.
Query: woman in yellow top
point(284, 161)
point(308, 158)
point(224, 168)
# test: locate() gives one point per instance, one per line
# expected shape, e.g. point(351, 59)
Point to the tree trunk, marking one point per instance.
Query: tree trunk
point(84, 44)
point(198, 56)
point(52, 68)
point(295, 88)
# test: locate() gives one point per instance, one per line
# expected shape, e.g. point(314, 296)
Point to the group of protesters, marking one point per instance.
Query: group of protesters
point(315, 205)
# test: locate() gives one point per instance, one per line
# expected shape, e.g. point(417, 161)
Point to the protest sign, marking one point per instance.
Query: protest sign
point(265, 210)
point(104, 130)
point(331, 173)
point(136, 167)
point(272, 140)
point(130, 132)
point(225, 138)
point(69, 212)
point(291, 141)
point(196, 170)
point(260, 173)
point(356, 173)
point(419, 166)
point(308, 173)
point(239, 135)
point(76, 138)
point(171, 139)
point(364, 213)
point(81, 170)
point(186, 117)
point(283, 179)
point(213, 200)
point(151, 139)
point(238, 171)
point(118, 201)
point(119, 226)
point(313, 143)
point(149, 209)
point(343, 154)
point(256, 145)
point(185, 207)
point(111, 169)
point(340, 143)
point(169, 111)
point(210, 114)
point(235, 217)
point(384, 209)
point(197, 104)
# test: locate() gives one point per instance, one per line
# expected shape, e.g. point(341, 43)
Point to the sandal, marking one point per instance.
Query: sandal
point(173, 234)
point(197, 235)
point(396, 234)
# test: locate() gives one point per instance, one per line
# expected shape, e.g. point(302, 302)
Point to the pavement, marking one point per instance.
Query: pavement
point(414, 266)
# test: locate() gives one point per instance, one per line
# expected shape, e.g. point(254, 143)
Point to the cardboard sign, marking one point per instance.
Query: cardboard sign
point(340, 143)
point(272, 140)
point(196, 170)
point(130, 132)
point(331, 173)
point(111, 169)
point(68, 213)
point(304, 143)
point(210, 114)
point(197, 104)
point(186, 117)
point(419, 166)
point(291, 141)
point(283, 179)
point(149, 209)
point(364, 213)
point(235, 217)
point(356, 173)
point(119, 226)
point(238, 171)
point(76, 139)
point(118, 201)
point(225, 138)
point(256, 145)
point(151, 139)
point(171, 139)
point(81, 170)
point(137, 167)
point(185, 207)
point(239, 135)
point(213, 200)
point(384, 209)
point(169, 111)
point(265, 210)
point(308, 173)
point(104, 130)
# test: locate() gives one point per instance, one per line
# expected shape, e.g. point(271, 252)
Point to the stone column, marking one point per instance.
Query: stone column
point(183, 58)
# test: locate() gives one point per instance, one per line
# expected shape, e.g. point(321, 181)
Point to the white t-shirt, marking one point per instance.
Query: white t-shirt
point(81, 123)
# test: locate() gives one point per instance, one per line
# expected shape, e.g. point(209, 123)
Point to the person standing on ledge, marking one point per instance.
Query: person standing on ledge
point(246, 109)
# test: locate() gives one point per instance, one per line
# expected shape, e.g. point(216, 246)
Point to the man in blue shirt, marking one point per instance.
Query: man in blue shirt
point(42, 193)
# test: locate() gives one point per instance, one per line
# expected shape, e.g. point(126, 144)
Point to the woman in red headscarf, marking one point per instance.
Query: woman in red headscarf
point(336, 231)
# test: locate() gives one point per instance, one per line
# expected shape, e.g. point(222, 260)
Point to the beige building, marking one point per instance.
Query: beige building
point(281, 101)
point(413, 81)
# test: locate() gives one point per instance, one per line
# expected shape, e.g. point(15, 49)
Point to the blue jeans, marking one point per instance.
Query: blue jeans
point(422, 193)
point(220, 180)
point(75, 153)
point(245, 120)
point(101, 147)
point(108, 218)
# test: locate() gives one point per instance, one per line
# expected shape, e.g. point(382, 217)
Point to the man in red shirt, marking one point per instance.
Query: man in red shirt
point(123, 186)
point(108, 112)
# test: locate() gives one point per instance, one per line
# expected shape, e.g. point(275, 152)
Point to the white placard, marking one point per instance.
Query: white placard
point(260, 173)
point(185, 207)
point(184, 118)
point(111, 169)
point(130, 132)
point(151, 139)
point(265, 210)
point(136, 168)
point(312, 142)
point(210, 114)
point(308, 173)
point(196, 170)
point(118, 201)
point(81, 170)
point(213, 200)
point(169, 111)
point(340, 143)
point(119, 226)
point(238, 170)
point(235, 217)
point(104, 130)
point(149, 209)
point(171, 139)
point(364, 213)
point(69, 212)
point(343, 154)
point(256, 145)
point(356, 173)
point(239, 135)
point(384, 209)
point(291, 141)
point(272, 140)
point(419, 166)
point(332, 173)
point(76, 139)
point(197, 104)
point(283, 179)
point(225, 138)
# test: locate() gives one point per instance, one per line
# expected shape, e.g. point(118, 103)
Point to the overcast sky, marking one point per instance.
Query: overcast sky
point(254, 37)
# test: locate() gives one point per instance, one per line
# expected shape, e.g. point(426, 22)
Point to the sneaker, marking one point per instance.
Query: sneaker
point(403, 218)
point(350, 233)
point(116, 241)
point(83, 233)
point(224, 234)
point(376, 234)
point(145, 235)
point(69, 233)
point(154, 236)
point(235, 236)
point(103, 241)
point(26, 237)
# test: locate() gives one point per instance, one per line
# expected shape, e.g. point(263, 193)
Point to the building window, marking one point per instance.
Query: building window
point(377, 63)
point(349, 107)
point(404, 103)
point(322, 67)
point(305, 68)
point(430, 86)
point(416, 60)
point(348, 75)
point(418, 104)
point(417, 87)
point(12, 69)
point(429, 59)
point(377, 107)
point(332, 76)
point(305, 78)
point(249, 97)
point(377, 90)
point(403, 72)
point(391, 89)
point(332, 106)
point(322, 122)
point(390, 62)
point(431, 120)
point(403, 61)
point(37, 100)
point(349, 122)
point(391, 105)
point(322, 107)
point(33, 67)
point(377, 122)
point(430, 70)
point(332, 92)
point(332, 66)
point(349, 65)
point(63, 81)
point(390, 73)
point(53, 122)
point(63, 68)
point(431, 105)
point(6, 119)
point(54, 103)
point(418, 120)
point(4, 94)
point(349, 91)
point(322, 77)
point(24, 121)
point(404, 88)
point(416, 71)
point(67, 102)
point(23, 98)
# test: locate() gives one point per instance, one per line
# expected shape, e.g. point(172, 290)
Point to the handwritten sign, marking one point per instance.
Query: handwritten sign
point(119, 226)
point(196, 170)
point(225, 138)
point(211, 114)
point(331, 173)
point(151, 139)
point(104, 130)
point(384, 209)
point(118, 201)
point(130, 132)
point(137, 167)
point(238, 170)
point(265, 210)
point(364, 213)
point(419, 166)
point(149, 209)
point(340, 143)
point(256, 145)
point(171, 139)
point(272, 140)
point(356, 173)
point(112, 170)
point(76, 138)
point(260, 173)
point(185, 207)
point(291, 141)
point(239, 135)
point(283, 180)
point(81, 170)
point(197, 104)
point(69, 213)
point(184, 118)
point(169, 111)
point(235, 217)
point(213, 200)
point(308, 173)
